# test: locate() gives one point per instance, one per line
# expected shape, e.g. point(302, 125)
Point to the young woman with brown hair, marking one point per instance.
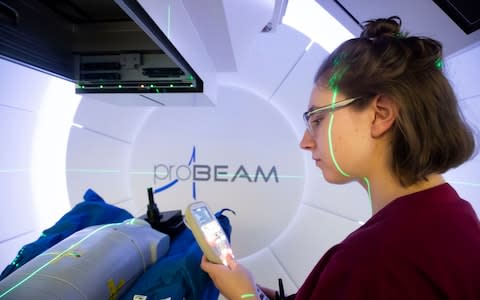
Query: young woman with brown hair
point(382, 113)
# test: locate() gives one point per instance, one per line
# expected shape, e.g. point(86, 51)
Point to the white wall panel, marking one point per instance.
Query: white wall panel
point(22, 87)
point(463, 70)
point(468, 192)
point(471, 112)
point(268, 61)
point(293, 95)
point(16, 130)
point(266, 269)
point(98, 162)
point(211, 24)
point(245, 20)
point(347, 200)
point(310, 234)
point(18, 210)
point(118, 121)
point(24, 94)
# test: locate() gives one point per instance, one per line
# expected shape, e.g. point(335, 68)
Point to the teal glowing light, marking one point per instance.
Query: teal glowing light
point(169, 13)
point(247, 175)
point(13, 170)
point(146, 173)
point(120, 86)
point(92, 171)
point(101, 86)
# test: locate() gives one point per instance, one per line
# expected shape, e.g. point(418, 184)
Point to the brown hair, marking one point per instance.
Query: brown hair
point(429, 134)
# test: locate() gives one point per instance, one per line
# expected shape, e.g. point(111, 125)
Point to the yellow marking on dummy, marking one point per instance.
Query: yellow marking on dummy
point(114, 289)
point(60, 255)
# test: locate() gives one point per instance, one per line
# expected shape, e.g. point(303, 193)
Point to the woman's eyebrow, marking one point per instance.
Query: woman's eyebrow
point(313, 107)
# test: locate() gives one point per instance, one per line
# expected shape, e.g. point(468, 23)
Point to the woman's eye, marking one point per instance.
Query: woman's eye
point(316, 121)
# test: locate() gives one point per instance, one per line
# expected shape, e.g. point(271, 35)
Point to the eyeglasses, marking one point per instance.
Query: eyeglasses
point(319, 113)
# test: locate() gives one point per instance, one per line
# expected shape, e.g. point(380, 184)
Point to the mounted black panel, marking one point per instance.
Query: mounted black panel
point(104, 46)
point(465, 13)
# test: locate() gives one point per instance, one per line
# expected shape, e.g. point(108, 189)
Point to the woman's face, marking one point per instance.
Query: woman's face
point(342, 156)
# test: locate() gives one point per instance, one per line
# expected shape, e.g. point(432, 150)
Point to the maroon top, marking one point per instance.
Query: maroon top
point(424, 246)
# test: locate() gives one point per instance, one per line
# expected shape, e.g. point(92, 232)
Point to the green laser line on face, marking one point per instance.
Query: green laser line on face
point(330, 144)
point(330, 126)
point(333, 84)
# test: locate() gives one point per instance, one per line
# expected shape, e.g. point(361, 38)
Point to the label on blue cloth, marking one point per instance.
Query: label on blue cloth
point(141, 297)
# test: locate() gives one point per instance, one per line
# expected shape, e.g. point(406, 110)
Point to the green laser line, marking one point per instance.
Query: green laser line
point(333, 84)
point(13, 170)
point(368, 190)
point(330, 144)
point(92, 171)
point(330, 126)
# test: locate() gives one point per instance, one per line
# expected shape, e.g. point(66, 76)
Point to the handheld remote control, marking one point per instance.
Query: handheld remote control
point(207, 231)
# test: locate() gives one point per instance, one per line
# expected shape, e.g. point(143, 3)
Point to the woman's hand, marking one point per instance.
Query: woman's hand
point(233, 280)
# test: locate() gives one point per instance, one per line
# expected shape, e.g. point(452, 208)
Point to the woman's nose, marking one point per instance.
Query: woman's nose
point(307, 142)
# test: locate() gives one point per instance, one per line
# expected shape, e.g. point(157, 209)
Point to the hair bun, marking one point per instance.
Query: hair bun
point(382, 27)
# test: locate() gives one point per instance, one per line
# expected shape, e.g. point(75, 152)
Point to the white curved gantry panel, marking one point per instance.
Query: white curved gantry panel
point(99, 150)
point(268, 61)
point(245, 158)
point(35, 116)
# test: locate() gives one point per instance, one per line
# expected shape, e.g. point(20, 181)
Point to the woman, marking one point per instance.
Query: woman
point(383, 114)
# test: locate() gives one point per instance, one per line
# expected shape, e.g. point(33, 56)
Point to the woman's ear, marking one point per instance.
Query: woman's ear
point(385, 111)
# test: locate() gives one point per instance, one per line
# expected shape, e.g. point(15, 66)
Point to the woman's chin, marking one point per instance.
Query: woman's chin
point(335, 177)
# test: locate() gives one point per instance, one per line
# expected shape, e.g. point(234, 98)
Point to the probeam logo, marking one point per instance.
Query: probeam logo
point(202, 172)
